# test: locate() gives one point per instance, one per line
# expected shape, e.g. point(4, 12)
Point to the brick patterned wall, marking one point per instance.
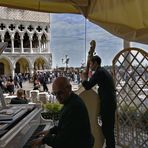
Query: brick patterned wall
point(23, 15)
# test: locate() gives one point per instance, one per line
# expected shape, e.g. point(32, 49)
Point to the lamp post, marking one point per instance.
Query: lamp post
point(65, 61)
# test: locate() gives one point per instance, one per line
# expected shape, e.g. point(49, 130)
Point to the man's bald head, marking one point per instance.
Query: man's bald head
point(61, 82)
point(61, 89)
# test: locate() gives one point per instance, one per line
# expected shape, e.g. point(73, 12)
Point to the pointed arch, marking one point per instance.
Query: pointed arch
point(7, 59)
point(22, 64)
point(17, 41)
point(7, 38)
point(26, 41)
point(40, 63)
point(35, 41)
point(6, 65)
point(23, 57)
point(43, 41)
point(2, 68)
point(43, 38)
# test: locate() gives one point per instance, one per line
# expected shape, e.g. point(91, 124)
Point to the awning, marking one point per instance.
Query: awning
point(127, 19)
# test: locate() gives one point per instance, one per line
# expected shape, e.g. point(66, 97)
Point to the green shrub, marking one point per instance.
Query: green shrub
point(51, 111)
point(52, 107)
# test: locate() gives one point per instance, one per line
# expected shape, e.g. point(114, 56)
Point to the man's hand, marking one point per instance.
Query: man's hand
point(42, 134)
point(84, 76)
point(34, 143)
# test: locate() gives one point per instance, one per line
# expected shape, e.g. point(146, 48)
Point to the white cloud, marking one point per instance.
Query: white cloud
point(69, 35)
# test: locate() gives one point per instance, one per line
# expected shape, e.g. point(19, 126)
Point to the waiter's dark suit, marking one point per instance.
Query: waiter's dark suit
point(107, 94)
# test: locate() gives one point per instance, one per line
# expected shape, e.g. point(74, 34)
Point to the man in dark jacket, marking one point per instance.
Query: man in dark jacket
point(73, 130)
point(107, 95)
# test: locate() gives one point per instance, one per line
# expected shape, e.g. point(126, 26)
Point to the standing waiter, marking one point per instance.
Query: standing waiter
point(107, 95)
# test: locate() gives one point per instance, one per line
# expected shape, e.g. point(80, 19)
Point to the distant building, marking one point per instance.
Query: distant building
point(28, 37)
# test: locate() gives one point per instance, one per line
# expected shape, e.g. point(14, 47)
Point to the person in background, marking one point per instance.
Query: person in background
point(37, 84)
point(10, 85)
point(20, 80)
point(20, 99)
point(44, 82)
point(73, 130)
point(16, 81)
point(2, 85)
point(107, 94)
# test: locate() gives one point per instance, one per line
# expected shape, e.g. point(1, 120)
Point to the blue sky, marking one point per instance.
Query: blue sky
point(71, 35)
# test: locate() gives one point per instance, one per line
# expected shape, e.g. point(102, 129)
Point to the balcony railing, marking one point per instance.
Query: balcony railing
point(26, 50)
point(7, 50)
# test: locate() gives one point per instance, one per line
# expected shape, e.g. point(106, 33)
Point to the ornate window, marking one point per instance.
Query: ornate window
point(2, 26)
point(30, 28)
point(46, 28)
point(11, 27)
point(39, 29)
point(35, 41)
point(17, 41)
point(26, 41)
point(7, 38)
point(43, 39)
point(21, 27)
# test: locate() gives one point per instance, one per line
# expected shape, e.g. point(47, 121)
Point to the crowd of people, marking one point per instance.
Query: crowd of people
point(10, 84)
point(40, 80)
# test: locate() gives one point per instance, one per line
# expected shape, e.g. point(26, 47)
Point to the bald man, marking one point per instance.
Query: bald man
point(73, 130)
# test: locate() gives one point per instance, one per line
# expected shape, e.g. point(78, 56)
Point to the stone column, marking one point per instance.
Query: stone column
point(40, 66)
point(12, 71)
point(2, 37)
point(22, 46)
point(43, 46)
point(12, 44)
point(31, 69)
point(126, 44)
point(39, 43)
point(48, 44)
point(31, 51)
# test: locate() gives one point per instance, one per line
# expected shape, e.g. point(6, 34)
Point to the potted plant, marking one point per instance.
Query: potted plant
point(51, 111)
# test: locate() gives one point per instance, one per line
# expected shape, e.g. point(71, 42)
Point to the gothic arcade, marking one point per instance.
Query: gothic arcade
point(28, 37)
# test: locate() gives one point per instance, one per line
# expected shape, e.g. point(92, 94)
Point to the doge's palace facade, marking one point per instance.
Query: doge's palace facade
point(28, 37)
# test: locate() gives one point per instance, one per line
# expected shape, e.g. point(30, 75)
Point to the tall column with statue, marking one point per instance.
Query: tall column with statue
point(65, 61)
